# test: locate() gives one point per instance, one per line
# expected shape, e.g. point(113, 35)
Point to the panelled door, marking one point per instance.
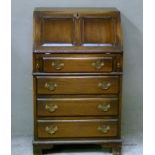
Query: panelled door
point(77, 29)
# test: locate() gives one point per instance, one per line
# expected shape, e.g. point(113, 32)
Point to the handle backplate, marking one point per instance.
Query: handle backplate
point(98, 64)
point(50, 86)
point(104, 85)
point(104, 129)
point(57, 65)
point(51, 107)
point(104, 107)
point(51, 130)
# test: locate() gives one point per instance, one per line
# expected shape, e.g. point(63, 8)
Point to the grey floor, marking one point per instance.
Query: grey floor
point(23, 146)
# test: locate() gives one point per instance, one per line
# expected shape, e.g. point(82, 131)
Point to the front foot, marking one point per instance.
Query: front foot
point(37, 150)
point(116, 150)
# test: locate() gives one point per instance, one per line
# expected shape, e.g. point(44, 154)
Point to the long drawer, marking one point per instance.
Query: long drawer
point(77, 106)
point(77, 84)
point(77, 128)
point(76, 63)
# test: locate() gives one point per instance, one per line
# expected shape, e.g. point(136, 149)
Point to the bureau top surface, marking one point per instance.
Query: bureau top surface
point(74, 9)
point(77, 29)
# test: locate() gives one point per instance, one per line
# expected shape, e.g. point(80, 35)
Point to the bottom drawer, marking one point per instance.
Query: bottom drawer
point(77, 128)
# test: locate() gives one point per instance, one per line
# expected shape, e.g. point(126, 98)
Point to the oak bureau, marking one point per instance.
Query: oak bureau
point(77, 77)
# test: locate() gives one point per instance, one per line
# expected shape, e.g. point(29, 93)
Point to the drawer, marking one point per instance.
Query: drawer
point(77, 84)
point(77, 63)
point(77, 106)
point(74, 63)
point(77, 128)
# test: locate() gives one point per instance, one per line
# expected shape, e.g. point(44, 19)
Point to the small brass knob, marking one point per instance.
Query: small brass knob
point(104, 129)
point(51, 107)
point(57, 65)
point(51, 130)
point(98, 64)
point(37, 66)
point(104, 85)
point(118, 65)
point(50, 86)
point(104, 107)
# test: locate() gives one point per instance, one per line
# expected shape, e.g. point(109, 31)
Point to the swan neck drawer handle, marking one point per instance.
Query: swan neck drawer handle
point(98, 64)
point(104, 107)
point(51, 107)
point(104, 85)
point(57, 65)
point(104, 129)
point(50, 86)
point(51, 130)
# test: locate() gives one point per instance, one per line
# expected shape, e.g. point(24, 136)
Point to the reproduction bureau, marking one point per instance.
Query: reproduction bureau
point(77, 77)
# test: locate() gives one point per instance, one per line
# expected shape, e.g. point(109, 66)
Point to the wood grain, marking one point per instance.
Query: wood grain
point(77, 106)
point(76, 28)
point(77, 64)
point(77, 77)
point(71, 129)
point(78, 84)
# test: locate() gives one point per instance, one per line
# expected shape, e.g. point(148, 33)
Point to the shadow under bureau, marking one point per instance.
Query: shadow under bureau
point(77, 77)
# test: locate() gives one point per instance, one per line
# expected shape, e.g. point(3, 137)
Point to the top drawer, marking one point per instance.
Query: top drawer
point(77, 63)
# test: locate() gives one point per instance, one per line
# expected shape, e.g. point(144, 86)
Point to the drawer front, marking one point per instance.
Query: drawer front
point(77, 128)
point(77, 106)
point(77, 84)
point(77, 64)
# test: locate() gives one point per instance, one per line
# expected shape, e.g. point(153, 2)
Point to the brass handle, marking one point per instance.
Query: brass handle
point(51, 107)
point(98, 64)
point(57, 65)
point(51, 130)
point(104, 107)
point(104, 129)
point(50, 86)
point(104, 85)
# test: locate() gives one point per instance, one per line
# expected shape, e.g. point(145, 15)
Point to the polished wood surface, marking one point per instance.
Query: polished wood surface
point(75, 29)
point(77, 128)
point(95, 31)
point(57, 30)
point(78, 85)
point(77, 63)
point(77, 106)
point(77, 77)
